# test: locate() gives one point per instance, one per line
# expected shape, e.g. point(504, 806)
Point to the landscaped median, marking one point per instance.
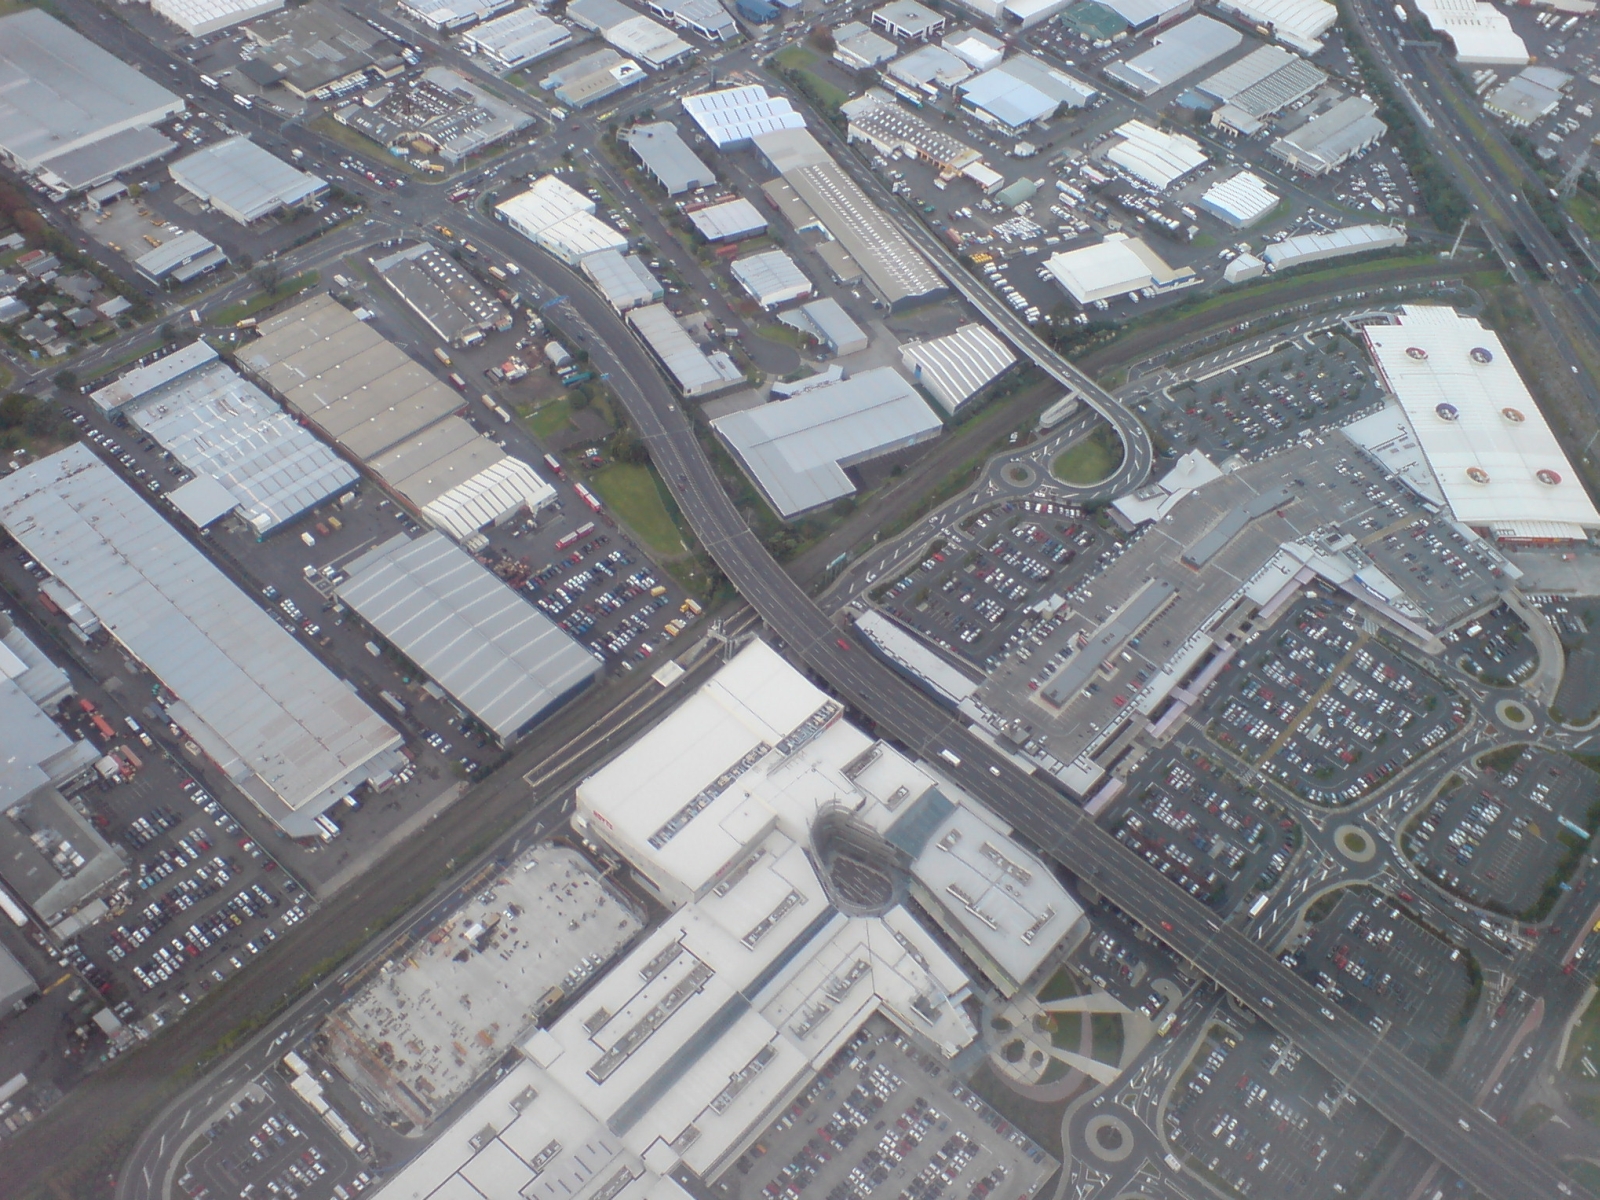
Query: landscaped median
point(1091, 459)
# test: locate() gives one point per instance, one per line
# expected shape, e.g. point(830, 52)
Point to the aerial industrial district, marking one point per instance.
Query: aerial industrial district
point(799, 600)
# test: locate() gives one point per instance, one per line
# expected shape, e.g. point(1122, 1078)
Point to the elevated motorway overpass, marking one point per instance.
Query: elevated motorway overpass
point(1443, 1123)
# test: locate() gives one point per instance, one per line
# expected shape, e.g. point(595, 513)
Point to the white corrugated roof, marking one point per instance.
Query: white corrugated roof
point(1299, 23)
point(1241, 200)
point(739, 113)
point(1480, 32)
point(1484, 436)
point(243, 180)
point(729, 218)
point(1154, 156)
point(957, 366)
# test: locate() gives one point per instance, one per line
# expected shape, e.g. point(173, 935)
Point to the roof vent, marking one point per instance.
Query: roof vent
point(1447, 412)
point(1546, 476)
point(1514, 415)
point(1479, 355)
point(1477, 475)
point(1416, 352)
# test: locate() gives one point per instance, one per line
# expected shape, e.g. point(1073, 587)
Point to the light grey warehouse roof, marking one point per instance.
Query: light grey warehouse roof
point(827, 321)
point(224, 428)
point(667, 156)
point(771, 277)
point(184, 257)
point(436, 288)
point(735, 218)
point(622, 279)
point(345, 377)
point(503, 660)
point(1328, 139)
point(1180, 51)
point(241, 180)
point(387, 410)
point(15, 982)
point(797, 450)
point(34, 751)
point(1265, 81)
point(954, 368)
point(51, 857)
point(279, 723)
point(695, 371)
point(61, 92)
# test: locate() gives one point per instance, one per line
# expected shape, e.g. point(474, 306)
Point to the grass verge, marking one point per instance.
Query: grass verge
point(1107, 1029)
point(550, 418)
point(1090, 460)
point(262, 300)
point(634, 494)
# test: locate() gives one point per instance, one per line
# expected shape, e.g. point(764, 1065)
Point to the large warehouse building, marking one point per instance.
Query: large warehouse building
point(289, 733)
point(555, 215)
point(1497, 463)
point(242, 181)
point(52, 858)
point(1115, 267)
point(197, 18)
point(71, 115)
point(797, 450)
point(437, 288)
point(1480, 33)
point(501, 660)
point(1176, 54)
point(246, 454)
point(388, 412)
point(36, 751)
point(815, 190)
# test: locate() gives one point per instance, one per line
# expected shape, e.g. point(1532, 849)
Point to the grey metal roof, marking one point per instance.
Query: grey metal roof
point(771, 277)
point(695, 371)
point(896, 268)
point(1265, 81)
point(62, 92)
point(797, 450)
point(225, 428)
point(239, 178)
point(345, 377)
point(622, 279)
point(668, 157)
point(51, 856)
point(169, 256)
point(255, 699)
point(827, 320)
point(1329, 138)
point(1181, 50)
point(439, 291)
point(520, 36)
point(15, 982)
point(733, 218)
point(502, 659)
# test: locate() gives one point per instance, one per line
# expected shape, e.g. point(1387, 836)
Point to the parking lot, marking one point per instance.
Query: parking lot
point(1263, 403)
point(975, 592)
point(1503, 836)
point(267, 1145)
point(1257, 1117)
point(1449, 575)
point(1380, 966)
point(1327, 708)
point(885, 1119)
point(1495, 648)
point(1189, 819)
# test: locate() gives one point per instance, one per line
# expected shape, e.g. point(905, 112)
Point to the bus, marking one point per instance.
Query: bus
point(243, 101)
point(1259, 904)
point(210, 82)
point(1167, 1022)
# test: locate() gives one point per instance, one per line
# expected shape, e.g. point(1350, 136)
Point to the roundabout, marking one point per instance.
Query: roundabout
point(1355, 843)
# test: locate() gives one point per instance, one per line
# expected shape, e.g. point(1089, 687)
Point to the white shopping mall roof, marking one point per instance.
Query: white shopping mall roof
point(1497, 462)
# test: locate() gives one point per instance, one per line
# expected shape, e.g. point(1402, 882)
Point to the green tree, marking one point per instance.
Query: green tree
point(67, 380)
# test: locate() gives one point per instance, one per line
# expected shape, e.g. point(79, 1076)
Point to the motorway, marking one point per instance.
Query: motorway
point(1447, 1125)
